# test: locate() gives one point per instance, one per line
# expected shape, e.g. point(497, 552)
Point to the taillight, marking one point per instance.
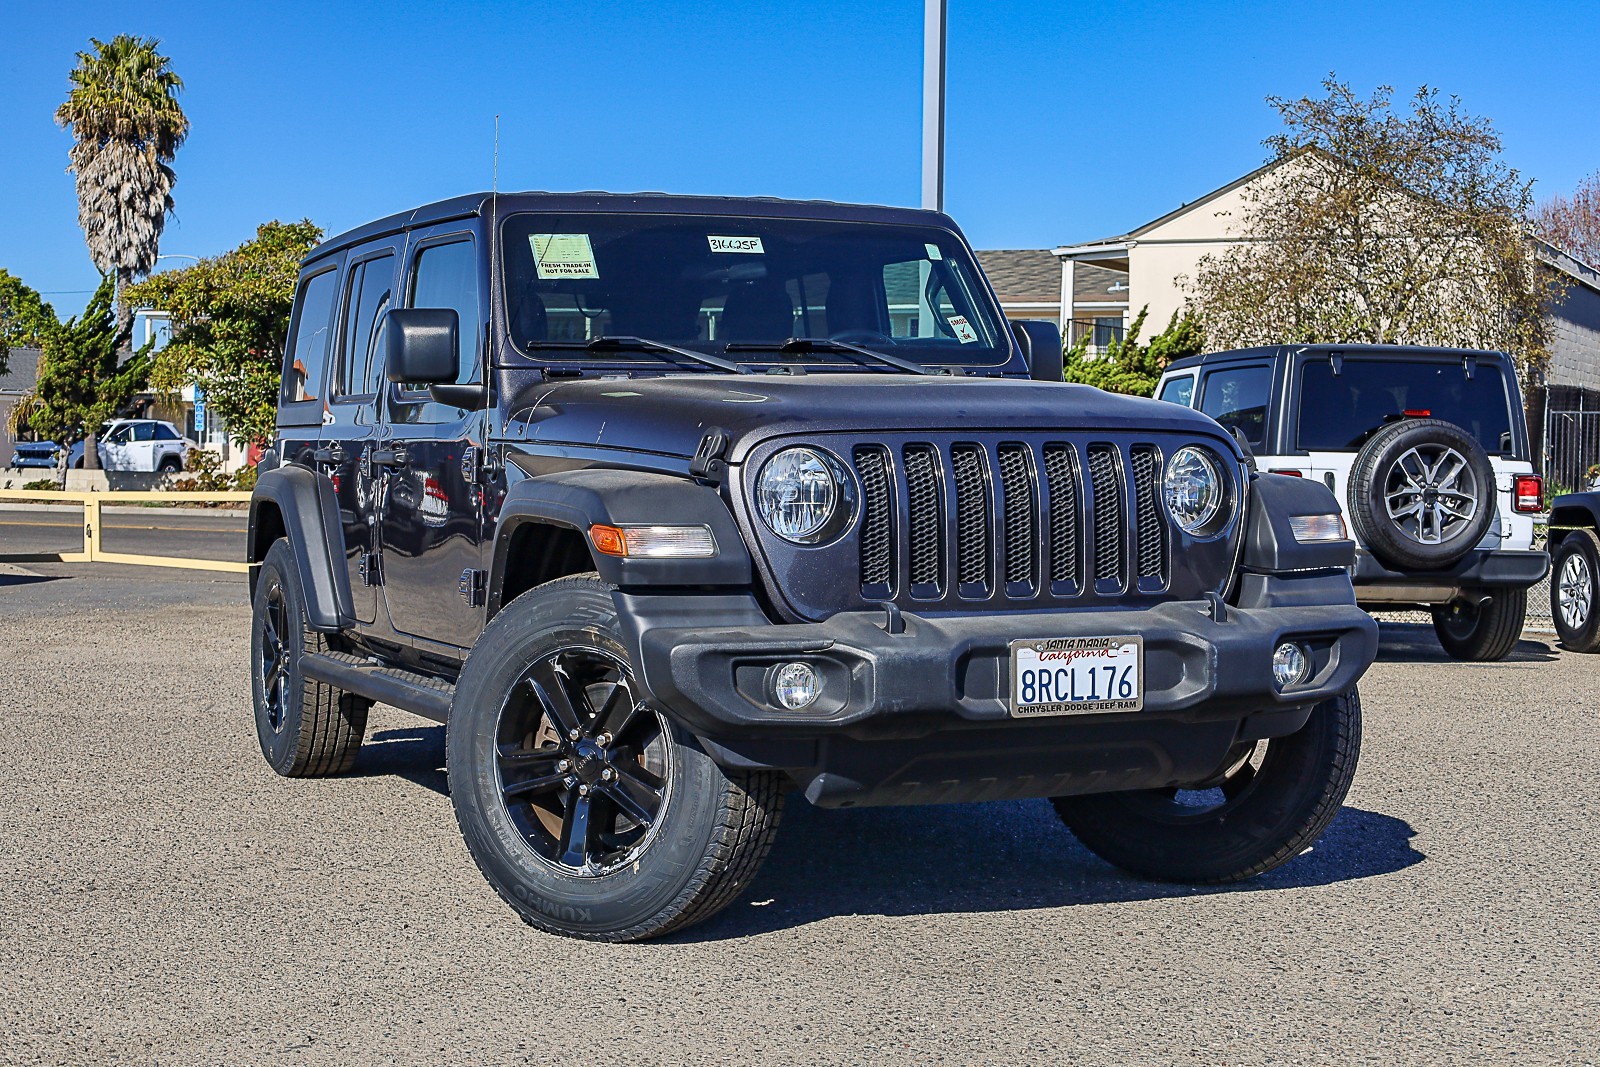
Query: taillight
point(1291, 472)
point(1527, 493)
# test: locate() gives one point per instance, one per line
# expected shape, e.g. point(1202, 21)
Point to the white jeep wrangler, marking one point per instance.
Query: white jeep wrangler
point(1426, 450)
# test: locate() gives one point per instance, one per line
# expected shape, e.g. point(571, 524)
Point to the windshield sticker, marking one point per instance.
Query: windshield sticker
point(933, 252)
point(563, 255)
point(736, 244)
point(963, 329)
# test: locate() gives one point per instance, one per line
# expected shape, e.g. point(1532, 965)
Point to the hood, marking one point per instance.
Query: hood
point(668, 415)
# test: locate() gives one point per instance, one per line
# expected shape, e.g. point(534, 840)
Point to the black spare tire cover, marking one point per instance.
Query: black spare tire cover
point(1421, 494)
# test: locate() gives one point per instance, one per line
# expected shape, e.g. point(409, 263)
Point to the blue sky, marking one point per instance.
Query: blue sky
point(1067, 121)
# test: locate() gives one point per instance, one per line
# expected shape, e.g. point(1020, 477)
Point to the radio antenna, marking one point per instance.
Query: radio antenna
point(494, 236)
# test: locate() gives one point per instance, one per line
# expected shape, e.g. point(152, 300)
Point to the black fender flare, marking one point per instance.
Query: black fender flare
point(580, 499)
point(1270, 546)
point(309, 513)
point(1571, 511)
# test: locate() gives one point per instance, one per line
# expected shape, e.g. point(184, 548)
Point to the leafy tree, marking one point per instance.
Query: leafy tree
point(124, 115)
point(1381, 226)
point(1573, 223)
point(22, 310)
point(1127, 366)
point(230, 319)
point(81, 383)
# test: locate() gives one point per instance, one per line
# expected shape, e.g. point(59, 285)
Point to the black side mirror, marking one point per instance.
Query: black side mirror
point(1040, 342)
point(424, 346)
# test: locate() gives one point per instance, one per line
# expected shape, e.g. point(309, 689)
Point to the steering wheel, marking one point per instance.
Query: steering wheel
point(862, 337)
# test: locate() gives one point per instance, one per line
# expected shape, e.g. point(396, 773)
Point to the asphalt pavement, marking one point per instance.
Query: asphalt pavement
point(164, 898)
point(196, 533)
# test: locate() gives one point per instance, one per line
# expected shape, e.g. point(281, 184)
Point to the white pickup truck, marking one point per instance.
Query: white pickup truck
point(1426, 450)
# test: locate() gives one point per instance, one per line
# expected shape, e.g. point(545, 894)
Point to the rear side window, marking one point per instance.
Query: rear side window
point(144, 431)
point(366, 301)
point(1178, 390)
point(1339, 411)
point(165, 432)
point(307, 357)
point(1237, 398)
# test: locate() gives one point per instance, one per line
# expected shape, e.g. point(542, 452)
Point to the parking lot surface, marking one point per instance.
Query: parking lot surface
point(165, 899)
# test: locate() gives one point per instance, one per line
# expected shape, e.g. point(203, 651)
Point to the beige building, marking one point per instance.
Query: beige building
point(1147, 265)
point(1150, 265)
point(1028, 283)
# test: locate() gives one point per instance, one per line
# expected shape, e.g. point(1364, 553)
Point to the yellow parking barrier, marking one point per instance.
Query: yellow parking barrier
point(94, 553)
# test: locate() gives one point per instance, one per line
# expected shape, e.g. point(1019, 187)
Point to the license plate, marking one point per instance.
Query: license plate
point(1076, 676)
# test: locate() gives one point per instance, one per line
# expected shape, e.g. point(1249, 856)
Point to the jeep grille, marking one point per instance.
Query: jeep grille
point(1024, 521)
point(1027, 481)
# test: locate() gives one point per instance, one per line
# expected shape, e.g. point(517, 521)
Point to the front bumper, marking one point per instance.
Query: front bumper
point(933, 699)
point(954, 672)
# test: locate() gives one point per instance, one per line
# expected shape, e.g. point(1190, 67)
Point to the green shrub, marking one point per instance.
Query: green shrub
point(1126, 366)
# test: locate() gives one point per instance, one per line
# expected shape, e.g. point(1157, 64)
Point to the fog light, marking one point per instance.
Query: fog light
point(795, 686)
point(1290, 665)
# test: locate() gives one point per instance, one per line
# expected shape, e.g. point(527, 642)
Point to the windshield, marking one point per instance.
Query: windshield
point(1339, 411)
point(736, 287)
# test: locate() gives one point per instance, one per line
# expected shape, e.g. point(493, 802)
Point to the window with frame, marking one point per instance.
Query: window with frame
point(1178, 390)
point(1237, 398)
point(446, 276)
point(306, 359)
point(367, 297)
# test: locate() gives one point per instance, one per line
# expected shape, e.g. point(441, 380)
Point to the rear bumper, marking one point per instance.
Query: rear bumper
point(923, 714)
point(1497, 569)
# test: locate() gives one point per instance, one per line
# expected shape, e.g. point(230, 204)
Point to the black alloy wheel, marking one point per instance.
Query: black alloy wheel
point(1266, 802)
point(590, 811)
point(583, 764)
point(306, 728)
point(275, 658)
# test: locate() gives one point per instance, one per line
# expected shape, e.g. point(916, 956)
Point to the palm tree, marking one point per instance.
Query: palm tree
point(124, 115)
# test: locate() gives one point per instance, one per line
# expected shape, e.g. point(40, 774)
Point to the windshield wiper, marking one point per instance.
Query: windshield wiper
point(827, 344)
point(611, 342)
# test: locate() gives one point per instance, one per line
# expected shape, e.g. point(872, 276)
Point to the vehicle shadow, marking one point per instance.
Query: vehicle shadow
point(415, 754)
point(1007, 856)
point(1405, 642)
point(7, 580)
point(1012, 856)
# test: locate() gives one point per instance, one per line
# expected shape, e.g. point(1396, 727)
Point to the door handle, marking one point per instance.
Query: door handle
point(389, 457)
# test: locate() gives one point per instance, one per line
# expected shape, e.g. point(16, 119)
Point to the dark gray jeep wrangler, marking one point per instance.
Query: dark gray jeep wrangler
point(669, 506)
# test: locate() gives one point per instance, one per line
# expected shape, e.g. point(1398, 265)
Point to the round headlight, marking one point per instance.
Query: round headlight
point(797, 494)
point(1193, 488)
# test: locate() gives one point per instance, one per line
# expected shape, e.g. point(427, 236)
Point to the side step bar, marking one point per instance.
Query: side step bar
point(416, 693)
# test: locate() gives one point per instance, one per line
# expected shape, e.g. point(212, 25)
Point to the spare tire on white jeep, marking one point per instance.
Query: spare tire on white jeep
point(1421, 494)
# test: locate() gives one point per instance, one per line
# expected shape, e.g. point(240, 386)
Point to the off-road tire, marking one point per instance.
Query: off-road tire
point(714, 828)
point(1373, 525)
point(1291, 800)
point(1585, 636)
point(317, 730)
point(1482, 632)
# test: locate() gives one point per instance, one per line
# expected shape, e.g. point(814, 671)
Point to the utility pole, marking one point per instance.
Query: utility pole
point(933, 24)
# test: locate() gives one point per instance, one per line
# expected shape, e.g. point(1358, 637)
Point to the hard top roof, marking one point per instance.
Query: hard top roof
point(1273, 352)
point(629, 203)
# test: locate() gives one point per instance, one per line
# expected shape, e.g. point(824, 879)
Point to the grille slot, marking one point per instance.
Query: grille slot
point(1108, 513)
point(1152, 543)
point(877, 536)
point(972, 516)
point(1061, 472)
point(926, 525)
point(1016, 481)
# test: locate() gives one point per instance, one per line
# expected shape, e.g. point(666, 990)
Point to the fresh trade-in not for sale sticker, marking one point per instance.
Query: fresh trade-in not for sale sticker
point(563, 255)
point(963, 329)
